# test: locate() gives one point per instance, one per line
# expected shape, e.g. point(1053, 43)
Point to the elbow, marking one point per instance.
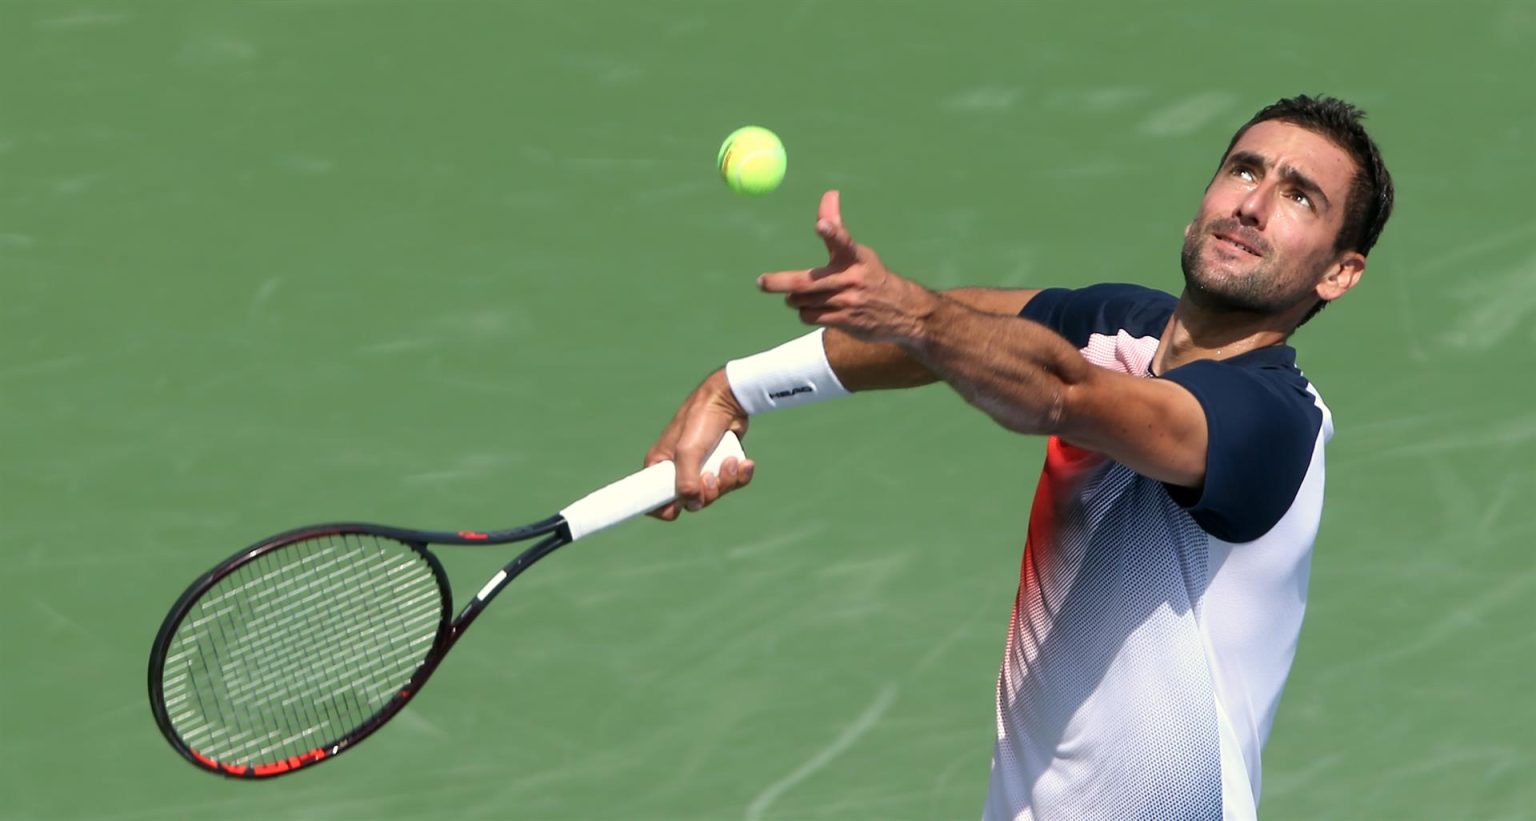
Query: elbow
point(1068, 396)
point(1044, 413)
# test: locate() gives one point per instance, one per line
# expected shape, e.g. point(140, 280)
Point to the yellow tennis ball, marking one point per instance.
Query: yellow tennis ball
point(752, 160)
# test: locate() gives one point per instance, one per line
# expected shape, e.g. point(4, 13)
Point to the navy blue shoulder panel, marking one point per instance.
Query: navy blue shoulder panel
point(1100, 309)
point(1263, 425)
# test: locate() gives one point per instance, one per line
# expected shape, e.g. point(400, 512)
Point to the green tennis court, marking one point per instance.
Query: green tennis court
point(452, 264)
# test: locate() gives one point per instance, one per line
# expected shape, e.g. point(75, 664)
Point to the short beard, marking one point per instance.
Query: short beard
point(1259, 292)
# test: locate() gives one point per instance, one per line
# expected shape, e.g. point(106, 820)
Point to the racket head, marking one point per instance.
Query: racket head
point(296, 648)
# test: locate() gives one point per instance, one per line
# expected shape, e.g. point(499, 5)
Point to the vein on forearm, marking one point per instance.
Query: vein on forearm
point(1018, 372)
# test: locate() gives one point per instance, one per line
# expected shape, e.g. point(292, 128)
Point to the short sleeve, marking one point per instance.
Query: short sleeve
point(1263, 426)
point(1100, 309)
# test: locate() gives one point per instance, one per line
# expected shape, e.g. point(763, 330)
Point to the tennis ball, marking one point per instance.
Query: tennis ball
point(752, 160)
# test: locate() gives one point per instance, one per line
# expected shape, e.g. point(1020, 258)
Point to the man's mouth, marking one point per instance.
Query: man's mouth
point(1238, 244)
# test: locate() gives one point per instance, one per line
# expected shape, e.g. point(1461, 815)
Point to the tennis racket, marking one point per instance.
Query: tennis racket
point(296, 648)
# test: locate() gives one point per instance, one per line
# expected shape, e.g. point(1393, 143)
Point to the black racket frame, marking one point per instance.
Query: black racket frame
point(555, 530)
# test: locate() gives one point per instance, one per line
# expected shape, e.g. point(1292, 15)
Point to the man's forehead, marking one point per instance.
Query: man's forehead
point(1287, 144)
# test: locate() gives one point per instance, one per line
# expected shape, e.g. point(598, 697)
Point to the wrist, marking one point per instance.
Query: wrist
point(722, 396)
point(795, 373)
point(928, 321)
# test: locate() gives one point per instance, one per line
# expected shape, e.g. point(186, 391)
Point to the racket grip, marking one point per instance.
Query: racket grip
point(638, 493)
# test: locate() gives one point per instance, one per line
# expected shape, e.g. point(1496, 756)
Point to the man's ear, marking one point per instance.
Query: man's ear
point(1341, 276)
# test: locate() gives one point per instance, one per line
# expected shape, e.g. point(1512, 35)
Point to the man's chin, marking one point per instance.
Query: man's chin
point(1222, 293)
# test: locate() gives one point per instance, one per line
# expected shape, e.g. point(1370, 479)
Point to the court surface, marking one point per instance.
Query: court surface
point(452, 265)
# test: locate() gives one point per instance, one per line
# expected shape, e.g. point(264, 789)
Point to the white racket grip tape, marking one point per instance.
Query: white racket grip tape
point(638, 493)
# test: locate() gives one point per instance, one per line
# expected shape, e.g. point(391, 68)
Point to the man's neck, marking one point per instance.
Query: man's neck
point(1193, 334)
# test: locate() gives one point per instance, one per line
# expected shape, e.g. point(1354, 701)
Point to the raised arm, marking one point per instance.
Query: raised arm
point(1030, 380)
point(885, 332)
point(1020, 373)
point(857, 365)
point(866, 366)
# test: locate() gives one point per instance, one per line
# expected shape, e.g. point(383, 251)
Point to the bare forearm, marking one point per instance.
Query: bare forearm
point(1017, 372)
point(865, 366)
point(873, 366)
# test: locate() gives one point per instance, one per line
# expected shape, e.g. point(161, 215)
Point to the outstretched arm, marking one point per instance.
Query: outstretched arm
point(867, 366)
point(1020, 373)
point(886, 332)
point(713, 408)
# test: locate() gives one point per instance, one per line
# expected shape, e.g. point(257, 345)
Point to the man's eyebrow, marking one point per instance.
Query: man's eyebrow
point(1305, 183)
point(1289, 173)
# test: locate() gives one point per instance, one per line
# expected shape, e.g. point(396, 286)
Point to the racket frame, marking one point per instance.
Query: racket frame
point(449, 627)
point(619, 501)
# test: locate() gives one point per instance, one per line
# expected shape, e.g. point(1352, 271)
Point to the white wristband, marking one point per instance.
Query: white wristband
point(795, 373)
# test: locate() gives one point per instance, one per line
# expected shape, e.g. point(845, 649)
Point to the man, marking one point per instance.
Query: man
point(1165, 569)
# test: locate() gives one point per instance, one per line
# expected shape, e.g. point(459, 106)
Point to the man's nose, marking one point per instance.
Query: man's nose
point(1253, 209)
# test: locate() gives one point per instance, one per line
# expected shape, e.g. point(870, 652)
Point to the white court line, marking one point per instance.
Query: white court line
point(863, 724)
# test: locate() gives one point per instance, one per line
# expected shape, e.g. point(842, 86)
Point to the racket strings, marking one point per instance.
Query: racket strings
point(299, 647)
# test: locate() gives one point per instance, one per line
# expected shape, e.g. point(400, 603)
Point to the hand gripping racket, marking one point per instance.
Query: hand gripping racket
point(298, 647)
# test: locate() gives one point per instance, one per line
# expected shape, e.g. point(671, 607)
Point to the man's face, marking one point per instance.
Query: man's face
point(1263, 240)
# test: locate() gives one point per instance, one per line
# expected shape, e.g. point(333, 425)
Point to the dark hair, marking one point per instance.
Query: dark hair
point(1369, 203)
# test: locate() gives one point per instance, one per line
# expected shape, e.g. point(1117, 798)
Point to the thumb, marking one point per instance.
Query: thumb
point(693, 447)
point(829, 224)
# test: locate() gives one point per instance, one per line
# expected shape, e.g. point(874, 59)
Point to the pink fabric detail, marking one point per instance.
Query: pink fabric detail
point(1122, 352)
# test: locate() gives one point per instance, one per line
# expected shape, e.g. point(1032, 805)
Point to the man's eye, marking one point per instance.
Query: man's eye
point(1304, 200)
point(1243, 173)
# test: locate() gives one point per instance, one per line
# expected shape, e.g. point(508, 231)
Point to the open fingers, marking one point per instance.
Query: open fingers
point(825, 315)
point(829, 225)
point(815, 280)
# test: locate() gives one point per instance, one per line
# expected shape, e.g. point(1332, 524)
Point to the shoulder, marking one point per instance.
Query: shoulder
point(1265, 423)
point(1079, 314)
point(1266, 382)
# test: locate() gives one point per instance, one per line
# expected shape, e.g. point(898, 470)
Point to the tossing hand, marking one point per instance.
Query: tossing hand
point(854, 292)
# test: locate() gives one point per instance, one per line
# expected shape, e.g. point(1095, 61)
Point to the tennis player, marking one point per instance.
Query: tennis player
point(1165, 568)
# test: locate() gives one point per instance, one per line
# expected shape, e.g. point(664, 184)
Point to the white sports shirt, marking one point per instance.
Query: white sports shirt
point(1154, 626)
